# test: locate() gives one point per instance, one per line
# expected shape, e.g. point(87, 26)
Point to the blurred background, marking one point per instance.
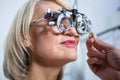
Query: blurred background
point(105, 17)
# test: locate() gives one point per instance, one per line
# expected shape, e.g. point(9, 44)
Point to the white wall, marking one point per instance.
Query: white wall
point(8, 8)
point(102, 13)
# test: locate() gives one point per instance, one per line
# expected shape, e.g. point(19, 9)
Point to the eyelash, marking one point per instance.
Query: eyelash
point(52, 19)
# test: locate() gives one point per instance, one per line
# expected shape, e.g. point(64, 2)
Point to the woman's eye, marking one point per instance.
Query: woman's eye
point(52, 19)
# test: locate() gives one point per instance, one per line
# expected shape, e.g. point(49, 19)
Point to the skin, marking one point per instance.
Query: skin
point(104, 59)
point(48, 55)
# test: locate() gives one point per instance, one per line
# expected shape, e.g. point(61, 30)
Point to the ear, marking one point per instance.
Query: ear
point(26, 43)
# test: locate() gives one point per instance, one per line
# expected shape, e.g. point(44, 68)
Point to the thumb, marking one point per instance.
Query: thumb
point(101, 45)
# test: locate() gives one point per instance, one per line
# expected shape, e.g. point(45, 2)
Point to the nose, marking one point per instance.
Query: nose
point(72, 32)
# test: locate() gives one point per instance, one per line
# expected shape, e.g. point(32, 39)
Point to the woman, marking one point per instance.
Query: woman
point(44, 37)
point(36, 50)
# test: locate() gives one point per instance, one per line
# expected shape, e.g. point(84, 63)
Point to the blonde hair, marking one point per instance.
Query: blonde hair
point(17, 58)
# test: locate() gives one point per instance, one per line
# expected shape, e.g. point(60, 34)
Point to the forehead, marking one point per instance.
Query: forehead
point(41, 8)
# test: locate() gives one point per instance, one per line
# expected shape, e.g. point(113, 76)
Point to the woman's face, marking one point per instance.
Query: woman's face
point(50, 47)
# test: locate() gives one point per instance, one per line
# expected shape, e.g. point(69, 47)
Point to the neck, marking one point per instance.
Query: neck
point(38, 72)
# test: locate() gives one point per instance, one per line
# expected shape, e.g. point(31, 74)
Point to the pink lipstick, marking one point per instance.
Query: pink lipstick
point(69, 43)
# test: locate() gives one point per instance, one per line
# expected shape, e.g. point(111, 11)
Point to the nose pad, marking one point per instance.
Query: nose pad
point(72, 32)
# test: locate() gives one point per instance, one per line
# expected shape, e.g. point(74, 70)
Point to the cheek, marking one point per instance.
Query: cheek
point(49, 48)
point(46, 45)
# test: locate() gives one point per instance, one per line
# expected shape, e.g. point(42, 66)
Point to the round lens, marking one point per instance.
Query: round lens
point(63, 23)
point(81, 27)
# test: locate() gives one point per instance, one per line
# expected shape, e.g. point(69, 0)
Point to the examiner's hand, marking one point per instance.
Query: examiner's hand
point(104, 59)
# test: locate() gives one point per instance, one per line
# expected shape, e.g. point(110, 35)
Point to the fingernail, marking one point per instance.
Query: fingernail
point(90, 35)
point(94, 35)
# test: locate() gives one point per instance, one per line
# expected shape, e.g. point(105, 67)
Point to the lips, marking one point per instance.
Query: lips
point(69, 43)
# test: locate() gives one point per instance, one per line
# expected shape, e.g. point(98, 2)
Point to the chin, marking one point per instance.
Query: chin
point(71, 57)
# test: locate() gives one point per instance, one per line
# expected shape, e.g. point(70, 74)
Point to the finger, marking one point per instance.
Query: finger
point(94, 60)
point(95, 68)
point(92, 35)
point(101, 45)
point(89, 43)
point(94, 63)
point(96, 53)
